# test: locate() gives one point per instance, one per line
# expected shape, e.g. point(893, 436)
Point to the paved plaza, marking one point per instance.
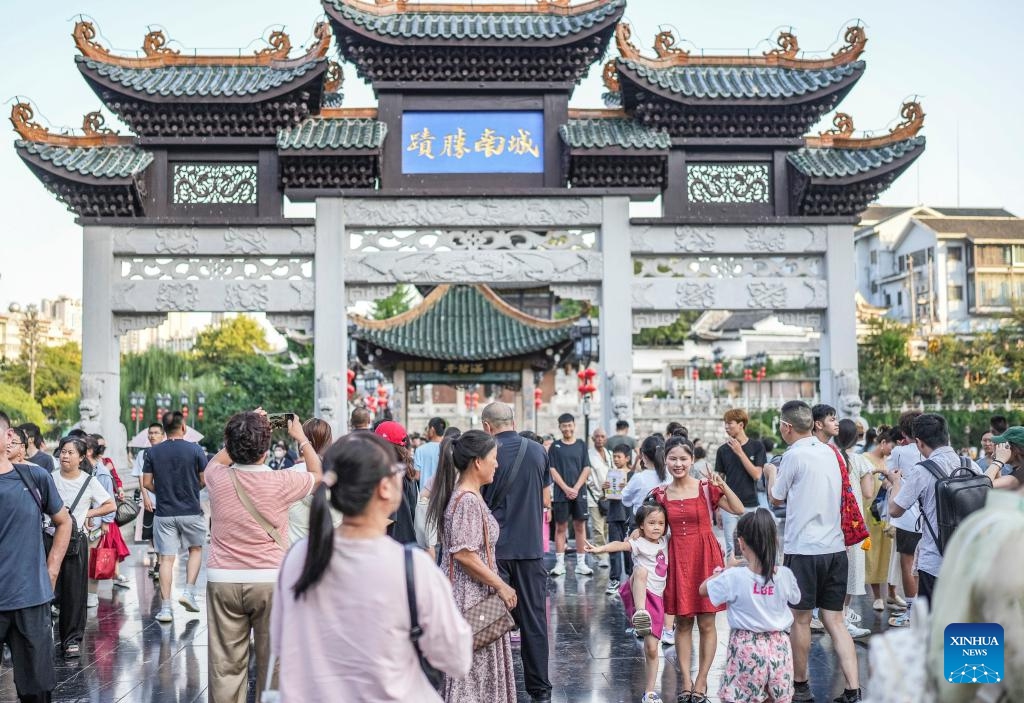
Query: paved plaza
point(128, 656)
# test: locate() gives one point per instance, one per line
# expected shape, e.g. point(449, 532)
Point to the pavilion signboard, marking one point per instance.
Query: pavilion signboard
point(472, 142)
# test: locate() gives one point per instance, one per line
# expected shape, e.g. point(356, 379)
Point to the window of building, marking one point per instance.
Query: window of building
point(888, 300)
point(899, 297)
point(955, 254)
point(955, 293)
point(874, 256)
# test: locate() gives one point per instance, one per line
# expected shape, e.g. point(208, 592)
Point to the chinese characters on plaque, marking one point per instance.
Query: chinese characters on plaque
point(473, 142)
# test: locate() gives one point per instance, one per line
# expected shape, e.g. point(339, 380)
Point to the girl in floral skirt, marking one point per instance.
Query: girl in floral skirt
point(759, 663)
point(642, 594)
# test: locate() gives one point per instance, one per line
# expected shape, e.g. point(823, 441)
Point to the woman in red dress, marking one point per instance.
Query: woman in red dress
point(694, 554)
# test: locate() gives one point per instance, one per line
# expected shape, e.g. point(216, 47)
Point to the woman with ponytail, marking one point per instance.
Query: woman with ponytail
point(344, 589)
point(652, 459)
point(468, 534)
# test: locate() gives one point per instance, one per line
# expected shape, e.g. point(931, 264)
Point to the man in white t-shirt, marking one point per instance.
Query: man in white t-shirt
point(600, 462)
point(809, 482)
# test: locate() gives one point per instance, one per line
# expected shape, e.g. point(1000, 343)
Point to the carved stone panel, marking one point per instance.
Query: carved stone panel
point(214, 184)
point(215, 268)
point(729, 183)
point(729, 294)
point(728, 239)
point(475, 267)
point(123, 324)
point(590, 294)
point(379, 240)
point(649, 320)
point(811, 320)
point(130, 297)
point(477, 212)
point(356, 294)
point(213, 241)
point(728, 266)
point(282, 321)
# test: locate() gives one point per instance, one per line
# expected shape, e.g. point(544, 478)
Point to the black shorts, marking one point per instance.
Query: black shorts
point(575, 509)
point(822, 579)
point(29, 634)
point(906, 541)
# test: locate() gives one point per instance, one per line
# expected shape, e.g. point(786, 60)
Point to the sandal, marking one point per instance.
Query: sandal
point(698, 697)
point(685, 697)
point(72, 650)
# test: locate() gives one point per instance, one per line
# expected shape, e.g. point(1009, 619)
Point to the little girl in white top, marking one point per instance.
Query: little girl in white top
point(759, 663)
point(642, 596)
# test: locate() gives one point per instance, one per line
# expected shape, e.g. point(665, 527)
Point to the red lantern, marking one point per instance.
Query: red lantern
point(371, 403)
point(133, 416)
point(748, 374)
point(184, 411)
point(718, 369)
point(537, 393)
point(695, 374)
point(199, 412)
point(589, 373)
point(761, 374)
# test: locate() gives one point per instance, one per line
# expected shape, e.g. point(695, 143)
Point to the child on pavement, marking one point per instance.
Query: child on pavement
point(642, 594)
point(759, 662)
point(618, 515)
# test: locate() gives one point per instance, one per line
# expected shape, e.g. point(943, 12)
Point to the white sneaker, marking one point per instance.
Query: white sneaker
point(582, 569)
point(559, 569)
point(188, 599)
point(852, 616)
point(642, 622)
point(878, 605)
point(816, 624)
point(92, 600)
point(165, 614)
point(651, 697)
point(856, 632)
point(613, 587)
point(668, 638)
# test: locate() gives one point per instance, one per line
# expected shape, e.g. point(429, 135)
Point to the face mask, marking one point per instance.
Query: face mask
point(279, 453)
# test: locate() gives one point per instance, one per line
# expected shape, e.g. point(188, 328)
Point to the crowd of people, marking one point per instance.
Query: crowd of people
point(438, 544)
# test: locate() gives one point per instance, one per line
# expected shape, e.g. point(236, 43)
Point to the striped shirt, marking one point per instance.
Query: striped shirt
point(240, 550)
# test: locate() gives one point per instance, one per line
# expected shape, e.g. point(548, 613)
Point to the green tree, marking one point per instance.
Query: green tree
point(671, 335)
point(20, 406)
point(235, 338)
point(395, 304)
point(58, 370)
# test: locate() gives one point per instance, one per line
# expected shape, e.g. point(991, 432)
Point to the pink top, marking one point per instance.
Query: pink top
point(347, 639)
point(240, 550)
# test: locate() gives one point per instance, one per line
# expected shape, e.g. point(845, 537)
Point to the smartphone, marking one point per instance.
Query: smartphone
point(279, 421)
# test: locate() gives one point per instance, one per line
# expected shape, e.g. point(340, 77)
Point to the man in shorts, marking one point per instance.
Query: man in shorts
point(173, 469)
point(569, 463)
point(904, 458)
point(809, 482)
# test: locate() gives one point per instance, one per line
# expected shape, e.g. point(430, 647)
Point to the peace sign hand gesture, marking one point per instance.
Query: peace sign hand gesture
point(717, 480)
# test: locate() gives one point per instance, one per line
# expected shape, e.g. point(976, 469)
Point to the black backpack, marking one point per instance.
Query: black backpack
point(957, 495)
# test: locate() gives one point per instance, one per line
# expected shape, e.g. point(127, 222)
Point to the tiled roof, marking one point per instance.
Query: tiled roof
point(839, 163)
point(332, 99)
point(120, 161)
point(477, 25)
point(200, 81)
point(741, 82)
point(333, 133)
point(611, 132)
point(977, 228)
point(463, 323)
point(972, 211)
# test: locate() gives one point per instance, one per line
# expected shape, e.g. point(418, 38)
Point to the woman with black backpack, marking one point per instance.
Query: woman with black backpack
point(86, 499)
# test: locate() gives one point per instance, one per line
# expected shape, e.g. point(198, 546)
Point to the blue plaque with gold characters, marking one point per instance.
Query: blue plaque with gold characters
point(473, 142)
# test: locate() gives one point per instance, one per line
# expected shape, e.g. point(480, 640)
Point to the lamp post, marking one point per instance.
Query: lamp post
point(200, 403)
point(183, 398)
point(695, 374)
point(718, 354)
point(163, 405)
point(372, 378)
point(137, 399)
point(585, 348)
point(762, 371)
point(748, 376)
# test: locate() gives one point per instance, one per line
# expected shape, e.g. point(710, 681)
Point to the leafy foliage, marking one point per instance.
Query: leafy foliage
point(235, 338)
point(58, 370)
point(394, 304)
point(669, 335)
point(20, 406)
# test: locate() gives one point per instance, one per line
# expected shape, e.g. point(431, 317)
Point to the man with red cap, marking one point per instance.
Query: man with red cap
point(403, 529)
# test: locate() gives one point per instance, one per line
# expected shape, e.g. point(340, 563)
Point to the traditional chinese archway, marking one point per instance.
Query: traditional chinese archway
point(471, 169)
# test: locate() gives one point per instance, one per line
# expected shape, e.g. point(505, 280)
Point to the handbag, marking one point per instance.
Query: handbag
point(103, 560)
point(127, 511)
point(243, 497)
point(434, 676)
point(489, 619)
point(602, 503)
point(854, 529)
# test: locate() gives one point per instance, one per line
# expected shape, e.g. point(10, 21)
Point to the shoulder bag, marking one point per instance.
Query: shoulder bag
point(489, 619)
point(243, 497)
point(499, 493)
point(850, 517)
point(434, 676)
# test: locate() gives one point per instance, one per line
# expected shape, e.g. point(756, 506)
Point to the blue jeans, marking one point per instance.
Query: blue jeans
point(729, 526)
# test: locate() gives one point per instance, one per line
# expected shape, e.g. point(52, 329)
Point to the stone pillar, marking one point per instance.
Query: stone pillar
point(400, 399)
point(330, 328)
point(100, 404)
point(840, 385)
point(616, 322)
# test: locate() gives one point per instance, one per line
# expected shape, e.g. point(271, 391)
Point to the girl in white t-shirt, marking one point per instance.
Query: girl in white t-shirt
point(759, 662)
point(647, 584)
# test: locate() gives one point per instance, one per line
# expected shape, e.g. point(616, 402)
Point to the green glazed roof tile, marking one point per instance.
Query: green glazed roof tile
point(741, 82)
point(200, 81)
point(598, 133)
point(839, 163)
point(333, 133)
point(463, 324)
point(119, 161)
point(477, 25)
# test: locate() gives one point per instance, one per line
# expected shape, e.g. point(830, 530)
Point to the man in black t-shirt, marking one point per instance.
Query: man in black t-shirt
point(519, 509)
point(34, 448)
point(740, 461)
point(569, 463)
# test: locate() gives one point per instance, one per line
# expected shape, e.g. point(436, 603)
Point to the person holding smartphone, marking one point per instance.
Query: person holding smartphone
point(1009, 454)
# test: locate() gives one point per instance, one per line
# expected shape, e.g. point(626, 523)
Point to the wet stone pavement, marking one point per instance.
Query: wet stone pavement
point(128, 656)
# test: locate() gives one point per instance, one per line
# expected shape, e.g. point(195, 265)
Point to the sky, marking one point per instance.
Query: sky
point(958, 57)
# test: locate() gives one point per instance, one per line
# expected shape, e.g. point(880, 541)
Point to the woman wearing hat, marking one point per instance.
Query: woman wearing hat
point(403, 529)
point(1009, 453)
